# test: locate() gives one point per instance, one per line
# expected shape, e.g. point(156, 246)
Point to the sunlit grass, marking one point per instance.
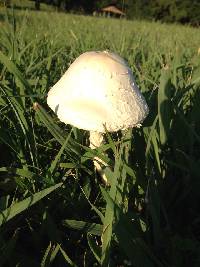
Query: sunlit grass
point(55, 210)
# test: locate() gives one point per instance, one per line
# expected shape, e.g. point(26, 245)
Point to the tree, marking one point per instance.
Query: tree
point(182, 11)
point(37, 4)
point(5, 3)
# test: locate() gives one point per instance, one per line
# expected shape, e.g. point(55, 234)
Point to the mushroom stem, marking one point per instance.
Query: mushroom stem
point(96, 139)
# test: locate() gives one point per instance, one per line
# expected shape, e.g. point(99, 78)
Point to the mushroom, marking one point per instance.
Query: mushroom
point(98, 93)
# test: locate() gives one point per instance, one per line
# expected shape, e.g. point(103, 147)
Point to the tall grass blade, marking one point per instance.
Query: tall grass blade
point(55, 130)
point(164, 105)
point(96, 250)
point(16, 72)
point(20, 206)
point(67, 259)
point(58, 156)
point(87, 227)
point(46, 258)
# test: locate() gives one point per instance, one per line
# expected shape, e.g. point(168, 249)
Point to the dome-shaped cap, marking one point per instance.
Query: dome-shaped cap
point(98, 91)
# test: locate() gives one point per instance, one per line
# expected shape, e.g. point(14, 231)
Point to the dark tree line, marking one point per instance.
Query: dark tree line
point(182, 11)
point(83, 6)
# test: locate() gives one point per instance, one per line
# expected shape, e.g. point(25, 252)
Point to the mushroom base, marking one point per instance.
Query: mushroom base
point(96, 140)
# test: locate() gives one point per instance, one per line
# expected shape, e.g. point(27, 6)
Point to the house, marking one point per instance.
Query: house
point(110, 11)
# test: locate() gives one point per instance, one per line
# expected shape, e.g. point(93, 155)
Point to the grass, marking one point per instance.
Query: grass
point(54, 209)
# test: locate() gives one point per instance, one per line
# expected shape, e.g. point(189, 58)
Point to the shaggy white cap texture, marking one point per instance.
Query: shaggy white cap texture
point(98, 91)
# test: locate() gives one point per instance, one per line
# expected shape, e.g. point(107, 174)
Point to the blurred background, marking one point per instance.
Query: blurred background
point(181, 11)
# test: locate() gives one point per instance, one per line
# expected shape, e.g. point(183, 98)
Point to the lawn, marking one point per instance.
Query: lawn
point(55, 210)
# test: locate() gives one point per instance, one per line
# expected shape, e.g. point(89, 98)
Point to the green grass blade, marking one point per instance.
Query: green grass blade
point(128, 234)
point(46, 258)
point(96, 250)
point(21, 172)
point(19, 207)
point(107, 228)
point(54, 129)
point(164, 105)
point(8, 249)
point(23, 126)
point(58, 156)
point(150, 136)
point(87, 227)
point(116, 193)
point(16, 72)
point(67, 259)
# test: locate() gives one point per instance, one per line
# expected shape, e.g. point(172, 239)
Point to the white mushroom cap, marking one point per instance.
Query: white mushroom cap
point(98, 91)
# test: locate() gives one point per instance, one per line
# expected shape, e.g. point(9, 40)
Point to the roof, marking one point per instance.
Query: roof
point(113, 9)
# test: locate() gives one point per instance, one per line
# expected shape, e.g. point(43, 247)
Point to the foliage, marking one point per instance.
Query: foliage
point(180, 11)
point(55, 210)
point(5, 3)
